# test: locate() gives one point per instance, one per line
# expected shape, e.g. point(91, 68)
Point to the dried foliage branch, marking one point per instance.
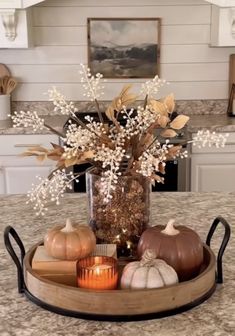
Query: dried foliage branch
point(128, 143)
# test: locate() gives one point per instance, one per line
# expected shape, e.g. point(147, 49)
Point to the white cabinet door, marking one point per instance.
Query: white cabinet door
point(19, 180)
point(17, 173)
point(2, 181)
point(213, 172)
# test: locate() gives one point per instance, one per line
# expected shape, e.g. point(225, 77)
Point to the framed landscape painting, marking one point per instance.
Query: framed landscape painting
point(124, 48)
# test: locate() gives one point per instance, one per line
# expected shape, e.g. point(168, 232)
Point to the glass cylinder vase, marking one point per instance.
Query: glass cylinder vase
point(123, 218)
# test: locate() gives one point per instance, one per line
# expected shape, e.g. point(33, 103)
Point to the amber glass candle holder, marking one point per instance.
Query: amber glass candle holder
point(97, 272)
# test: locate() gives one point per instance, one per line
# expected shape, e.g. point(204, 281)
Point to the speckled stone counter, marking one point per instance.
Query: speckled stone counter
point(216, 317)
point(57, 122)
point(217, 122)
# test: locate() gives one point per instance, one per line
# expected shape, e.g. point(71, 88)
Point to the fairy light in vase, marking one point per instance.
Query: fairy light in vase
point(117, 239)
point(128, 245)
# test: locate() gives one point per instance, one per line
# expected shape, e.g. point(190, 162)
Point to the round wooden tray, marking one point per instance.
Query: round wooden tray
point(119, 304)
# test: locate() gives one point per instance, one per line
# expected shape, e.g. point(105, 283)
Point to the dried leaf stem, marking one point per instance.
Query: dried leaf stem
point(53, 130)
point(99, 112)
point(145, 101)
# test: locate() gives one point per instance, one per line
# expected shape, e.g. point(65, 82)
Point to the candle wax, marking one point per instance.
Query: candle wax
point(99, 276)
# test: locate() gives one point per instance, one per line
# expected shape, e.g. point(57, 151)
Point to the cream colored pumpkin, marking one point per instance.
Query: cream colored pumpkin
point(149, 272)
point(70, 242)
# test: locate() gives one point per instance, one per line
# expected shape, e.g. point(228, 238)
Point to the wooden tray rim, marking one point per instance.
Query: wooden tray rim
point(27, 267)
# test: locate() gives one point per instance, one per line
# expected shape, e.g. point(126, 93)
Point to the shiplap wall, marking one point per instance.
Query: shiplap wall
point(194, 70)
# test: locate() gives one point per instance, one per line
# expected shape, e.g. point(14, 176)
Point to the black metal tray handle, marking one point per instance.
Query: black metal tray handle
point(9, 230)
point(227, 233)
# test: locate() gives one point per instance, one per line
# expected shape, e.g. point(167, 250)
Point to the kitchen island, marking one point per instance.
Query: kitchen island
point(215, 317)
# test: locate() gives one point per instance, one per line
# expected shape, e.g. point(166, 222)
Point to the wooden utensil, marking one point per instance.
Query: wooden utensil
point(4, 71)
point(1, 86)
point(11, 84)
point(5, 80)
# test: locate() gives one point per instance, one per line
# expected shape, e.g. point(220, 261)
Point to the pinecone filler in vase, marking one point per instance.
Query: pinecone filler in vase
point(124, 218)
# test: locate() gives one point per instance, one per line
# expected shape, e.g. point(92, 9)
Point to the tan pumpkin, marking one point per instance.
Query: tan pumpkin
point(70, 242)
point(180, 247)
point(149, 272)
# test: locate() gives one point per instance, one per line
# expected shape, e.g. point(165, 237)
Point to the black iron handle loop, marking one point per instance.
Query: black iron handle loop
point(224, 243)
point(9, 230)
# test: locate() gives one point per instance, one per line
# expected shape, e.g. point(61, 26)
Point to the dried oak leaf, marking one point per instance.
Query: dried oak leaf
point(157, 178)
point(161, 168)
point(38, 149)
point(173, 152)
point(168, 133)
point(169, 101)
point(78, 159)
point(158, 107)
point(163, 121)
point(42, 153)
point(123, 99)
point(41, 157)
point(70, 162)
point(126, 97)
point(179, 122)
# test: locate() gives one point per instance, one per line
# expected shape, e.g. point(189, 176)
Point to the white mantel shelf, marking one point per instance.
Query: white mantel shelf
point(222, 3)
point(222, 23)
point(15, 23)
point(18, 4)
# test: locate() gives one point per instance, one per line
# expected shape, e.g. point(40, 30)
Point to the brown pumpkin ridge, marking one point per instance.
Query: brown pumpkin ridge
point(183, 251)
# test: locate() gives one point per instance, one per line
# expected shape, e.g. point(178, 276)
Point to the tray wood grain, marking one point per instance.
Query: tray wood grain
point(120, 302)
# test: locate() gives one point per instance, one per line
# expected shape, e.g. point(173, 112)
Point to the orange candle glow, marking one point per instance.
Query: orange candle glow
point(97, 272)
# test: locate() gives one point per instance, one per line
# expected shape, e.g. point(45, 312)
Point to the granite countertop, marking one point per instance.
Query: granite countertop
point(215, 317)
point(56, 121)
point(217, 122)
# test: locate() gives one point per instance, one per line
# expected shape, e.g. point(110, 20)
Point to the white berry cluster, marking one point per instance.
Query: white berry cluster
point(52, 188)
point(152, 157)
point(95, 127)
point(111, 159)
point(91, 84)
point(139, 123)
point(27, 119)
point(60, 103)
point(77, 140)
point(205, 137)
point(151, 87)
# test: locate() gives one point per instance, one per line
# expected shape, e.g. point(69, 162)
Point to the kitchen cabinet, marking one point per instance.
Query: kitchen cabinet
point(213, 169)
point(15, 25)
point(17, 173)
point(222, 23)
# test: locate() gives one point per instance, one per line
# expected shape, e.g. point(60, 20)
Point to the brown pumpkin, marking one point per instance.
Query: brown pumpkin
point(179, 247)
point(70, 242)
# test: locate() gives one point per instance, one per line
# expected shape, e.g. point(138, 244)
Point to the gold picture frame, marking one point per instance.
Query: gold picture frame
point(124, 47)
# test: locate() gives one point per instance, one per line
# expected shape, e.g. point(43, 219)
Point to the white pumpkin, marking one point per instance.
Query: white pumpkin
point(149, 272)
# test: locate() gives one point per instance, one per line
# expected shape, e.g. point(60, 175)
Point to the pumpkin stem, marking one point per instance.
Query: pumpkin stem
point(68, 226)
point(170, 230)
point(148, 257)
